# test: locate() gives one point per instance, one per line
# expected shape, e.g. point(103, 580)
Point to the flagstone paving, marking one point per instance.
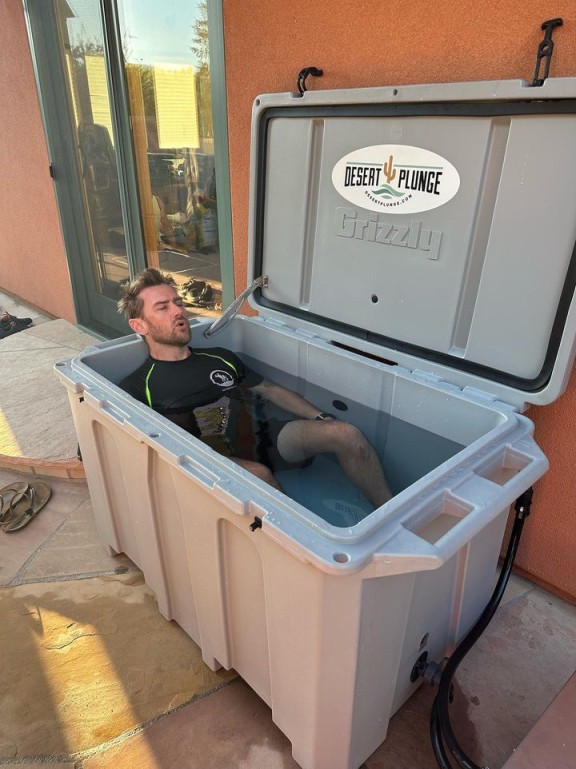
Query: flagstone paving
point(35, 417)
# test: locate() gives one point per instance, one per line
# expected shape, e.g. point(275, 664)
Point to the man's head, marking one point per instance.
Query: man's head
point(131, 304)
point(154, 310)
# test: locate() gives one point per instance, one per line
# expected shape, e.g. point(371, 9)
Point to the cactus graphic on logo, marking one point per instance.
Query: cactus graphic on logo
point(395, 178)
point(386, 191)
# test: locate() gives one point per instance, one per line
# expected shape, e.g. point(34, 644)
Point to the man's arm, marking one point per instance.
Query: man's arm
point(286, 399)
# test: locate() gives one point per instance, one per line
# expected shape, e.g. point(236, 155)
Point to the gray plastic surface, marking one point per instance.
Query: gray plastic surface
point(475, 283)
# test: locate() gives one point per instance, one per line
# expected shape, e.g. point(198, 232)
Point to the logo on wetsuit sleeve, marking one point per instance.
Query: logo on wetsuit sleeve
point(222, 378)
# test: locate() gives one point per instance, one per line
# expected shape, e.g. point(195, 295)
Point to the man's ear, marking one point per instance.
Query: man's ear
point(139, 326)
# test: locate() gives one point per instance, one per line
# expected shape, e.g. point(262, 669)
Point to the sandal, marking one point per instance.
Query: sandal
point(27, 506)
point(7, 495)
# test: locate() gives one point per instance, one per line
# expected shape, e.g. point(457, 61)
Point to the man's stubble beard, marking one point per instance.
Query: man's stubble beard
point(176, 338)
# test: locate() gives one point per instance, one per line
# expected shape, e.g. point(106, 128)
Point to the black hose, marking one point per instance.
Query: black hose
point(442, 736)
point(436, 739)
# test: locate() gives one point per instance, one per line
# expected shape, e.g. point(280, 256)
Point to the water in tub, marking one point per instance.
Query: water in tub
point(407, 453)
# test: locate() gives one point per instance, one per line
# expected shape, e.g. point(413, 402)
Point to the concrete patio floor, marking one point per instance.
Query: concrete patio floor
point(93, 677)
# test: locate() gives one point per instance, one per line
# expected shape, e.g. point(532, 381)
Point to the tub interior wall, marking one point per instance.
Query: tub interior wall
point(414, 426)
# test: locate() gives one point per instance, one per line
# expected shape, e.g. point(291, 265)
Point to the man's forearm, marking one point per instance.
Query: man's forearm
point(287, 400)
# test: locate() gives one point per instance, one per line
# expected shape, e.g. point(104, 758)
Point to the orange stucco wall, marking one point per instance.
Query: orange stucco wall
point(357, 43)
point(366, 43)
point(32, 259)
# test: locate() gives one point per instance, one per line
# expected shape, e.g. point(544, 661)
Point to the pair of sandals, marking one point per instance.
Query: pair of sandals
point(21, 502)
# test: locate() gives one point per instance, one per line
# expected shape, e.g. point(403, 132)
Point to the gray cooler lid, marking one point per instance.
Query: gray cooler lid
point(434, 223)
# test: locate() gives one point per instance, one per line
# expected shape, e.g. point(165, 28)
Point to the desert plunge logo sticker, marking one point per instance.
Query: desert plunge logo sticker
point(395, 178)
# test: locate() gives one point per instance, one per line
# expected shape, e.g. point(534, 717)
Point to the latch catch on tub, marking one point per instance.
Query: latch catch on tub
point(303, 75)
point(545, 50)
point(230, 312)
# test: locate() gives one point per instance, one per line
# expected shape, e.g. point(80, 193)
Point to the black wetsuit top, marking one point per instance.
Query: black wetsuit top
point(208, 395)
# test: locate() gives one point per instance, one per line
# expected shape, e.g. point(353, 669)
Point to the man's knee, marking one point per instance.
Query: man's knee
point(264, 473)
point(350, 439)
point(259, 470)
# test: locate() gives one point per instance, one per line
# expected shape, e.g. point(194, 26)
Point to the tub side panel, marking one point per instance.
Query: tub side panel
point(134, 507)
point(245, 607)
point(478, 580)
point(335, 643)
point(447, 601)
point(429, 627)
point(108, 528)
point(202, 512)
point(385, 609)
point(125, 464)
point(167, 512)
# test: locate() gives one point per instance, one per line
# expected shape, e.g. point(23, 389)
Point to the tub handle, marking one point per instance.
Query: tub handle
point(221, 322)
point(114, 412)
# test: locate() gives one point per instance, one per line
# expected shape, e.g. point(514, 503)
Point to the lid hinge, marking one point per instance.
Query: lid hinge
point(472, 393)
point(545, 50)
point(485, 396)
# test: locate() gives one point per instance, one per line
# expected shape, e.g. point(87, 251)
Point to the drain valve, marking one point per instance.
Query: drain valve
point(419, 667)
point(429, 671)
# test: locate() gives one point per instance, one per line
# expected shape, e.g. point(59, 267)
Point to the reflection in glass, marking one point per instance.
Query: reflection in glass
point(82, 51)
point(165, 49)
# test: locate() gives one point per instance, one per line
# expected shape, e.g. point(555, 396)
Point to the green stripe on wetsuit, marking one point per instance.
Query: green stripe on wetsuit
point(146, 387)
point(218, 357)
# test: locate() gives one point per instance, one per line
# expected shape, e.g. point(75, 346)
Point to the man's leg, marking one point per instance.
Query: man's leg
point(303, 439)
point(259, 470)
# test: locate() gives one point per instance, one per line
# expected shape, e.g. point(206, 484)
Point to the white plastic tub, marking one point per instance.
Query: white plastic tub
point(324, 621)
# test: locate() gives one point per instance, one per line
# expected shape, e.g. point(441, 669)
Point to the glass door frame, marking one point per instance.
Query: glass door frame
point(93, 311)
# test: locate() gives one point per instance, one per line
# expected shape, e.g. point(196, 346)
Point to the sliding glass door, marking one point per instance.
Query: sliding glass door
point(81, 46)
point(167, 66)
point(132, 97)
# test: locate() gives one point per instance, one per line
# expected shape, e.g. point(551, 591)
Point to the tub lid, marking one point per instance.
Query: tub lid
point(434, 223)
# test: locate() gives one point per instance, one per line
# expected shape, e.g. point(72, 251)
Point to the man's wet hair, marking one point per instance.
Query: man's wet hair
point(130, 304)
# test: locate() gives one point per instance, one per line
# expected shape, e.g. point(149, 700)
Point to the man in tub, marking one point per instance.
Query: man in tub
point(216, 397)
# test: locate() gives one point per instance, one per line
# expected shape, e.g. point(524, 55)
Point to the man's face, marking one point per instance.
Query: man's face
point(164, 320)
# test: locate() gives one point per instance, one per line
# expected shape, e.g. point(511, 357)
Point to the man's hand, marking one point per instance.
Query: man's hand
point(323, 416)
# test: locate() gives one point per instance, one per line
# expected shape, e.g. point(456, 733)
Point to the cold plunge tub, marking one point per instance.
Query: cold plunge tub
point(429, 327)
point(324, 620)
